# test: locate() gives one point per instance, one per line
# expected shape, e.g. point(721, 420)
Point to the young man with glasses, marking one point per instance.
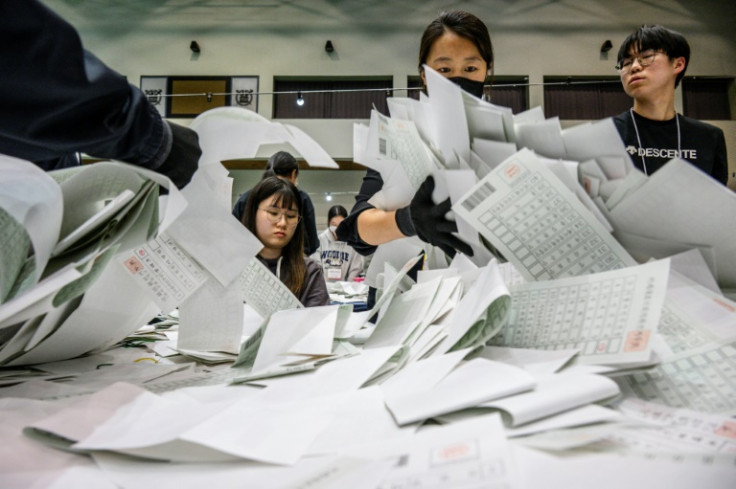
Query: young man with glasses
point(651, 62)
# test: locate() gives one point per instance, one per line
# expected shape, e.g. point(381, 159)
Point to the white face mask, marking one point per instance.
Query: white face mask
point(333, 229)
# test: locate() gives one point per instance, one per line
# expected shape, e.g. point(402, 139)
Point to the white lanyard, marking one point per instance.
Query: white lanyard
point(638, 139)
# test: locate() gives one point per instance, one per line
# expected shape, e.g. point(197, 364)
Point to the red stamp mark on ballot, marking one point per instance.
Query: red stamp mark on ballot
point(727, 430)
point(637, 340)
point(455, 452)
point(133, 265)
point(512, 170)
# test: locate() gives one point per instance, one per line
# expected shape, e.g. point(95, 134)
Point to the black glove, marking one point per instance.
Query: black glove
point(182, 161)
point(424, 218)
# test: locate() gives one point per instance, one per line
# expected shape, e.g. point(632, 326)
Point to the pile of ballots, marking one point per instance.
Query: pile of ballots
point(580, 326)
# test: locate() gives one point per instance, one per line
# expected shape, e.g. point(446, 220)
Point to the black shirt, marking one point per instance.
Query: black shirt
point(701, 144)
point(348, 229)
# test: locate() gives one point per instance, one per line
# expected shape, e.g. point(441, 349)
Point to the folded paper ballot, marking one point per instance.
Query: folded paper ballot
point(228, 133)
point(555, 394)
point(470, 384)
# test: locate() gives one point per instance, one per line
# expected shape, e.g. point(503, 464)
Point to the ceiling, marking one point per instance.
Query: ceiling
point(548, 15)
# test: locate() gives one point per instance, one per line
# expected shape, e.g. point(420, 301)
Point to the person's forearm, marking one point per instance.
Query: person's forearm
point(376, 226)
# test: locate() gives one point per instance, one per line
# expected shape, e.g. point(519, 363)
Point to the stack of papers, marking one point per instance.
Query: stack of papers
point(58, 267)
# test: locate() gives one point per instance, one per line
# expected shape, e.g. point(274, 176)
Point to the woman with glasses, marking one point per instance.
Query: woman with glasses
point(273, 214)
point(282, 164)
point(651, 62)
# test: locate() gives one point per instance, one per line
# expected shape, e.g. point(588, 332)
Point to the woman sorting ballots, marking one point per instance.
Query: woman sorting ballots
point(458, 46)
point(273, 214)
point(339, 260)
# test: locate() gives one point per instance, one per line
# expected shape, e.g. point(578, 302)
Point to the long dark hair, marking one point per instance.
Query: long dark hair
point(294, 271)
point(336, 210)
point(464, 24)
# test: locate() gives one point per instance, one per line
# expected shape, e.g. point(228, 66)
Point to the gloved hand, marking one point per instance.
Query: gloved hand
point(183, 159)
point(425, 219)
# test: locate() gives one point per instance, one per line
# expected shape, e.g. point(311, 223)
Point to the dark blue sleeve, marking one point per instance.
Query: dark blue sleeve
point(311, 241)
point(348, 229)
point(239, 206)
point(58, 99)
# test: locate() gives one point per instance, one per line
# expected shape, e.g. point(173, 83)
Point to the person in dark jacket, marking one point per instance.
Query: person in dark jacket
point(58, 100)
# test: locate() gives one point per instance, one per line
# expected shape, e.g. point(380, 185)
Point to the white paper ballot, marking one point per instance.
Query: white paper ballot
point(538, 224)
point(555, 394)
point(701, 381)
point(263, 291)
point(227, 133)
point(212, 319)
point(203, 219)
point(303, 331)
point(704, 212)
point(469, 385)
point(113, 300)
point(594, 140)
point(545, 137)
point(448, 117)
point(480, 313)
point(464, 455)
point(611, 317)
point(166, 271)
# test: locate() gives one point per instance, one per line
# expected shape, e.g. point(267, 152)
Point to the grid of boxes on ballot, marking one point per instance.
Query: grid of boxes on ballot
point(595, 317)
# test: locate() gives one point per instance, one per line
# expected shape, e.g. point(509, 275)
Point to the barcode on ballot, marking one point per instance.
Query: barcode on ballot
point(382, 146)
point(477, 197)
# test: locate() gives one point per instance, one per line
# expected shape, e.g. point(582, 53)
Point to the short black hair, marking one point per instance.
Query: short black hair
point(659, 38)
point(282, 164)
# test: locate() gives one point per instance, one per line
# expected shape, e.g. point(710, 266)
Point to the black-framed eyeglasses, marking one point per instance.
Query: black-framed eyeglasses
point(645, 59)
point(274, 214)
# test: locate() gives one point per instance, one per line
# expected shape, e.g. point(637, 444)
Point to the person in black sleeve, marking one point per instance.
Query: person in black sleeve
point(58, 100)
point(652, 61)
point(283, 165)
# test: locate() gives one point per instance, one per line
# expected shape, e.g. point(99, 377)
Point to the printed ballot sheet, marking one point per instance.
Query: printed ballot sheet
point(165, 270)
point(529, 215)
point(610, 316)
point(675, 429)
point(212, 319)
point(470, 454)
point(703, 381)
point(30, 218)
point(263, 291)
